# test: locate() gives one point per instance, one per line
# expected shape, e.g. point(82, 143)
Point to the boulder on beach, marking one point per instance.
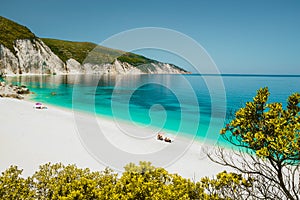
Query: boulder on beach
point(13, 91)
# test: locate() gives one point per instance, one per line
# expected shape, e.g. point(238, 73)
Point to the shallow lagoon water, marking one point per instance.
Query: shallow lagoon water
point(170, 103)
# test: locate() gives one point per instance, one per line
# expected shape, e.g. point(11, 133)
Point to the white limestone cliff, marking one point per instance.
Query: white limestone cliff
point(118, 67)
point(31, 57)
point(74, 67)
point(35, 57)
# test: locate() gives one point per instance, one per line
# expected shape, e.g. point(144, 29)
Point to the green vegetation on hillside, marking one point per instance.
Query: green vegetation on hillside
point(67, 49)
point(135, 59)
point(80, 51)
point(140, 62)
point(11, 31)
point(101, 55)
point(92, 53)
point(83, 52)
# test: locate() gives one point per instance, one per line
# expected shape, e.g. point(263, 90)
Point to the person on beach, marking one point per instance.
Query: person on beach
point(168, 140)
point(160, 136)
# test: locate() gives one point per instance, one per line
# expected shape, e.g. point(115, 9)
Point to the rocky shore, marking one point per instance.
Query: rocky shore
point(13, 91)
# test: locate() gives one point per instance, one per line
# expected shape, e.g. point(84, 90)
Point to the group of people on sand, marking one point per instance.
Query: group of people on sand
point(160, 136)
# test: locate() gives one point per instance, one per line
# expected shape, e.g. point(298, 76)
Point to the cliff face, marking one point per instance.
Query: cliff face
point(21, 52)
point(34, 57)
point(118, 67)
point(30, 57)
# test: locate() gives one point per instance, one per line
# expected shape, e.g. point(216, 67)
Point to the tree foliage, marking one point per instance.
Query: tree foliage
point(268, 137)
point(69, 182)
point(269, 130)
point(143, 181)
point(227, 186)
point(147, 182)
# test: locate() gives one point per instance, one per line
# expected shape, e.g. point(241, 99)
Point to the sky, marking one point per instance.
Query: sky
point(256, 37)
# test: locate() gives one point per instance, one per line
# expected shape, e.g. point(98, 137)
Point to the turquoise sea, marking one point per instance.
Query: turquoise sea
point(170, 102)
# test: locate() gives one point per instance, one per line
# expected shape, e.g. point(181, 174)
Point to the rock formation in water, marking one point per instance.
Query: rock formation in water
point(13, 91)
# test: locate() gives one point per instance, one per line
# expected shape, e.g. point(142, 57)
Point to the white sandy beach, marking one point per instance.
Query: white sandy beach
point(31, 137)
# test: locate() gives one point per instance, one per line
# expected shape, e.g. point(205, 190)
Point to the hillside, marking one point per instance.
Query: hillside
point(21, 52)
point(87, 51)
point(11, 31)
point(67, 49)
point(81, 51)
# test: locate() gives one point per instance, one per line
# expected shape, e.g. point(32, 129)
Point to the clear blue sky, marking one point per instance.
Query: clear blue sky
point(257, 36)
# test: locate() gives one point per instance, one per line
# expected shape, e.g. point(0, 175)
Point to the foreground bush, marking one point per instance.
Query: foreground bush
point(56, 181)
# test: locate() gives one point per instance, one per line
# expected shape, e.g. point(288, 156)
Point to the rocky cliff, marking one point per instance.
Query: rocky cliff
point(118, 67)
point(34, 57)
point(21, 53)
point(30, 57)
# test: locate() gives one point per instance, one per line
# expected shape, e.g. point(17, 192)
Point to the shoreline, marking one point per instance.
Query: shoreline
point(190, 74)
point(91, 73)
point(33, 137)
point(185, 135)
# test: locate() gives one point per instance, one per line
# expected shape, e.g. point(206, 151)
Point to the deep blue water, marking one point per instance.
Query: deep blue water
point(193, 104)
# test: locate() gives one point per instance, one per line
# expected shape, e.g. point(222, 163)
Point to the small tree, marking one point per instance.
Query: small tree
point(268, 141)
